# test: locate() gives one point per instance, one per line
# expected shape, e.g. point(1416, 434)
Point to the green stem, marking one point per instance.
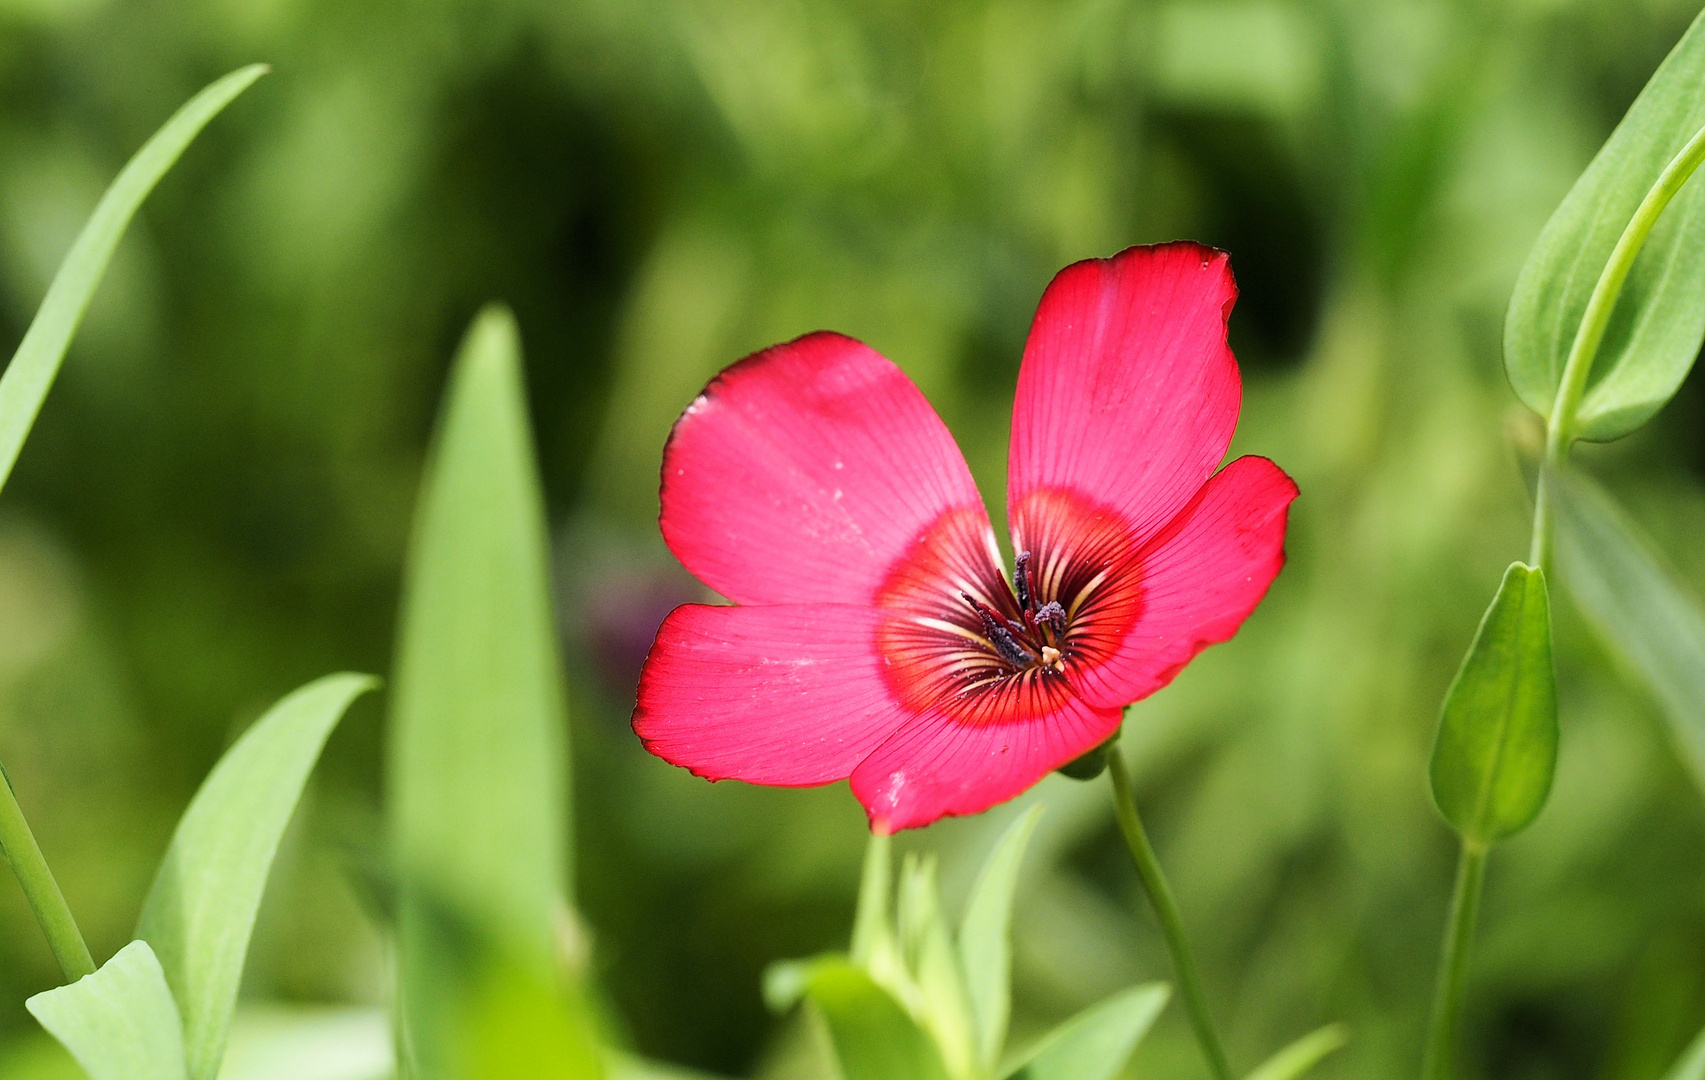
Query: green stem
point(19, 846)
point(1539, 550)
point(1160, 894)
point(1453, 963)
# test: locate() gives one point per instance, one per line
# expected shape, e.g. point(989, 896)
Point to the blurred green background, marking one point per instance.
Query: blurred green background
point(214, 504)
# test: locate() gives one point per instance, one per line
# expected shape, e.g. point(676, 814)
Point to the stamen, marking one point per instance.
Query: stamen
point(1052, 659)
point(1054, 615)
point(1000, 637)
point(1021, 580)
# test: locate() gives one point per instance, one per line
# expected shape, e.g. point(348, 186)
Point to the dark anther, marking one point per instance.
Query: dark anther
point(1021, 580)
point(1005, 644)
point(1052, 614)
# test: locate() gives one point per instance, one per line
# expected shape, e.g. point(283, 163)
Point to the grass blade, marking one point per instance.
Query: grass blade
point(1299, 1057)
point(25, 383)
point(985, 939)
point(1642, 611)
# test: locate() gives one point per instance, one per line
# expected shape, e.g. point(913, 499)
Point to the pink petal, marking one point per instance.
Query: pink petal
point(1128, 394)
point(939, 764)
point(805, 472)
point(1196, 581)
point(791, 695)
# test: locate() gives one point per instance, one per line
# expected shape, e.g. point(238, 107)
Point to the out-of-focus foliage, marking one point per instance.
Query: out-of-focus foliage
point(477, 791)
point(215, 501)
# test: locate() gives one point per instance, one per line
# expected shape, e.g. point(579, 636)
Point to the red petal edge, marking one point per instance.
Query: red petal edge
point(937, 765)
point(1198, 580)
point(804, 473)
point(1128, 394)
point(790, 695)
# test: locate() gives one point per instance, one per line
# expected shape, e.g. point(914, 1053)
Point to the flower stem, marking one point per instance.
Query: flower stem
point(1166, 908)
point(1453, 963)
point(19, 847)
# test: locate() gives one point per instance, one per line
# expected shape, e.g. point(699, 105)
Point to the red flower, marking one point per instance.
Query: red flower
point(875, 634)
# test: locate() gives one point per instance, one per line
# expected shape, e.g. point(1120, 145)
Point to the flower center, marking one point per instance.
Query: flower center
point(1036, 638)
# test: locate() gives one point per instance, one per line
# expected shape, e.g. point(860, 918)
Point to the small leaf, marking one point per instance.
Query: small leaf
point(1638, 606)
point(985, 939)
point(1656, 327)
point(25, 383)
point(1497, 742)
point(119, 1023)
point(873, 1037)
point(201, 910)
point(942, 1007)
point(1691, 1064)
point(1096, 1043)
point(1299, 1057)
point(478, 762)
point(786, 981)
point(871, 923)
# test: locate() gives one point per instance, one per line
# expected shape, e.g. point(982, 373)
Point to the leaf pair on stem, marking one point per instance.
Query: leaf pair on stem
point(1605, 323)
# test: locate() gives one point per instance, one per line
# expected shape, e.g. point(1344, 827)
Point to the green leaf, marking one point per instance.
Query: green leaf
point(1096, 1043)
point(985, 939)
point(1299, 1057)
point(119, 1023)
point(201, 911)
point(1691, 1064)
point(1639, 607)
point(872, 928)
point(874, 1038)
point(1656, 326)
point(25, 383)
point(477, 767)
point(1497, 742)
point(942, 1007)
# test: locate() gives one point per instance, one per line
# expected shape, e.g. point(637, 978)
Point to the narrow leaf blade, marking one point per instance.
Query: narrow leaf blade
point(201, 910)
point(985, 938)
point(119, 1023)
point(478, 762)
point(873, 1037)
point(1659, 321)
point(1299, 1057)
point(1497, 744)
point(25, 383)
point(1096, 1043)
point(1638, 606)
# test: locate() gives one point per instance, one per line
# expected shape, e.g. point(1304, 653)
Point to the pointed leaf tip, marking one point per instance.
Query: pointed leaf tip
point(985, 938)
point(201, 910)
point(119, 1023)
point(1496, 749)
point(25, 383)
point(1302, 1055)
point(1658, 319)
point(1096, 1043)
